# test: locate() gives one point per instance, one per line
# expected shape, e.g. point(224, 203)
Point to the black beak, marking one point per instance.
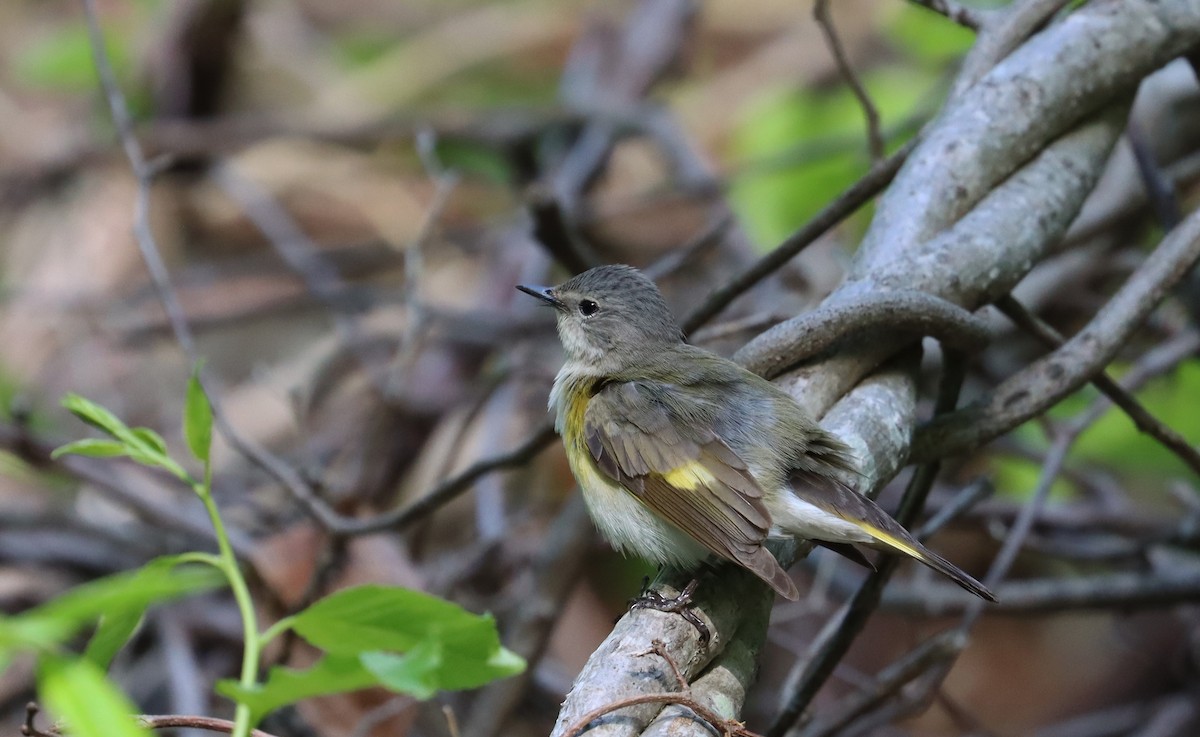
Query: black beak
point(545, 294)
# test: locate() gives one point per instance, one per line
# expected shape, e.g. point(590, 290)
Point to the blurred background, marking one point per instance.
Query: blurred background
point(347, 193)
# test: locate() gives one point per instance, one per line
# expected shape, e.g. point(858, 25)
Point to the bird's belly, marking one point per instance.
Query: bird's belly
point(629, 526)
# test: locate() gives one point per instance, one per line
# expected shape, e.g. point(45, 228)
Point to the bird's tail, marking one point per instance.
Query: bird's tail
point(908, 545)
point(833, 497)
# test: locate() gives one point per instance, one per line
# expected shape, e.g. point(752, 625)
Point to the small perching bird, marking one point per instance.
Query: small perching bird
point(681, 453)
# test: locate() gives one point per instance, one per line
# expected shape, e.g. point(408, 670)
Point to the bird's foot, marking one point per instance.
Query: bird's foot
point(650, 599)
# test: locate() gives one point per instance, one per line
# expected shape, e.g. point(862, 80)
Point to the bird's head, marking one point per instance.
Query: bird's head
point(609, 317)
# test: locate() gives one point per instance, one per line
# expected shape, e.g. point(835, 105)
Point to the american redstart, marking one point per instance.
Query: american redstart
point(681, 453)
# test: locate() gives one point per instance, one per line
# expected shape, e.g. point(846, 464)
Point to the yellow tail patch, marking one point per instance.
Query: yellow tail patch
point(888, 539)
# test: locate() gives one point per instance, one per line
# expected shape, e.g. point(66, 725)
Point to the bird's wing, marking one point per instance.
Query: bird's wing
point(664, 453)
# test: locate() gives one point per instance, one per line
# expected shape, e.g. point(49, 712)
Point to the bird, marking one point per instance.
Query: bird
point(682, 454)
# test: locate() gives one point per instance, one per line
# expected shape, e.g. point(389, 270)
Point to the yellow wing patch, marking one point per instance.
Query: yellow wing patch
point(890, 540)
point(690, 476)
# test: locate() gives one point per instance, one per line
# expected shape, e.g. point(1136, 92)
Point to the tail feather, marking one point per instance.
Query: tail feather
point(955, 574)
point(834, 497)
point(900, 541)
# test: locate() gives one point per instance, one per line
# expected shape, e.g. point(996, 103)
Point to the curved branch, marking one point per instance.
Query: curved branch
point(1048, 380)
point(808, 335)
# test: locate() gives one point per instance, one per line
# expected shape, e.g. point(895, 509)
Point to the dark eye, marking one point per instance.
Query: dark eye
point(587, 307)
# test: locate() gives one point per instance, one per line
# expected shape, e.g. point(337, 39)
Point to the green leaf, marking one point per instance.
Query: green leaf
point(96, 415)
point(151, 440)
point(110, 636)
point(378, 618)
point(61, 58)
point(78, 692)
point(414, 673)
point(92, 447)
point(332, 674)
point(59, 619)
point(197, 419)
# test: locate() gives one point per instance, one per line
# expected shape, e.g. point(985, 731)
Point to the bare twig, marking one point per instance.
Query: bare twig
point(448, 489)
point(417, 318)
point(555, 572)
point(211, 724)
point(1049, 379)
point(875, 144)
point(845, 204)
point(144, 235)
point(971, 494)
point(890, 680)
point(1145, 422)
point(288, 476)
point(1123, 591)
point(967, 17)
point(29, 727)
point(149, 721)
point(1160, 189)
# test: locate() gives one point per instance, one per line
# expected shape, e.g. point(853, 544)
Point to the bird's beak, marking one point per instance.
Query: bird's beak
point(545, 294)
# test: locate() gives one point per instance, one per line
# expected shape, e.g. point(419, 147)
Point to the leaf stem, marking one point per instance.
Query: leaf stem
point(228, 564)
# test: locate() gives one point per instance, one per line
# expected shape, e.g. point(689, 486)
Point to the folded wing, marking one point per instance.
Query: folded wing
point(650, 440)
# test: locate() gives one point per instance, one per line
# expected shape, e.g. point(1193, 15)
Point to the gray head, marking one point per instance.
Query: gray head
point(609, 316)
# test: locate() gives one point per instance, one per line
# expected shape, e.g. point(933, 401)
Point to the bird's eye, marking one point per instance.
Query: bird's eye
point(587, 307)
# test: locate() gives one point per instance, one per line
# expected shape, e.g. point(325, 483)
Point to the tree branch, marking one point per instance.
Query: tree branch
point(1048, 380)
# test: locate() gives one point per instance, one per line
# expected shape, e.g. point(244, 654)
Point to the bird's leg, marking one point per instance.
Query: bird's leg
point(651, 599)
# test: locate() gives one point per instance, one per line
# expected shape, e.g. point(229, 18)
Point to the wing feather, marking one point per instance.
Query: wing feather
point(649, 440)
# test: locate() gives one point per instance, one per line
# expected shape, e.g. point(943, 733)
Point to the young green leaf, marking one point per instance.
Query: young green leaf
point(95, 415)
point(414, 673)
point(152, 440)
point(332, 674)
point(122, 594)
point(78, 692)
point(197, 419)
point(378, 618)
point(110, 636)
point(93, 447)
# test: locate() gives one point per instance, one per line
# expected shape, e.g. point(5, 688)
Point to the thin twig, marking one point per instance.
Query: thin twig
point(283, 472)
point(417, 318)
point(149, 721)
point(448, 489)
point(144, 173)
point(211, 724)
point(890, 680)
point(846, 203)
point(1141, 417)
point(971, 494)
point(1042, 384)
point(875, 144)
point(965, 17)
point(1123, 591)
point(1159, 187)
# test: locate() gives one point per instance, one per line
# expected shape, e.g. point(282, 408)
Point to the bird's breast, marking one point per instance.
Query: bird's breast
point(624, 521)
